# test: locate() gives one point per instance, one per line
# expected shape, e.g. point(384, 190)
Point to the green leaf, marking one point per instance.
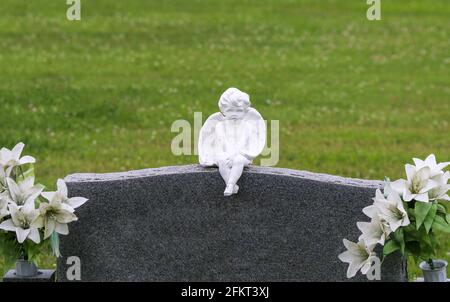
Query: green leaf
point(409, 228)
point(411, 234)
point(447, 217)
point(427, 248)
point(31, 250)
point(440, 224)
point(428, 222)
point(400, 239)
point(434, 241)
point(9, 250)
point(421, 210)
point(441, 209)
point(413, 248)
point(411, 214)
point(390, 247)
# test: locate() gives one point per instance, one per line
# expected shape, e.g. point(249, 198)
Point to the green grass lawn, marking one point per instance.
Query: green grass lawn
point(353, 97)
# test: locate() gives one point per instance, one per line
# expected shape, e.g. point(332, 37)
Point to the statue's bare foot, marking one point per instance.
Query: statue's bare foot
point(229, 190)
point(235, 189)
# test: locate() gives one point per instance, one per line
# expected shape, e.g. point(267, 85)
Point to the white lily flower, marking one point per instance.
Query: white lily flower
point(440, 191)
point(373, 210)
point(4, 200)
point(56, 215)
point(24, 221)
point(21, 192)
point(375, 231)
point(2, 179)
point(430, 162)
point(61, 196)
point(358, 256)
point(417, 185)
point(392, 211)
point(3, 175)
point(387, 189)
point(11, 158)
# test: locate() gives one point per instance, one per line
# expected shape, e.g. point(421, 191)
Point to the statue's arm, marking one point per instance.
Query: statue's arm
point(220, 140)
point(251, 140)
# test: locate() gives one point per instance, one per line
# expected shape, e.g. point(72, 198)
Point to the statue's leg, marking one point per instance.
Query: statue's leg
point(224, 171)
point(235, 173)
point(231, 176)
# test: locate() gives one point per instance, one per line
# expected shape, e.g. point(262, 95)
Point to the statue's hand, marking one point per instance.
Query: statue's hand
point(237, 159)
point(229, 162)
point(247, 156)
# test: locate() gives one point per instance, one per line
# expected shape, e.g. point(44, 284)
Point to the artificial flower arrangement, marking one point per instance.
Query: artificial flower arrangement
point(404, 217)
point(30, 218)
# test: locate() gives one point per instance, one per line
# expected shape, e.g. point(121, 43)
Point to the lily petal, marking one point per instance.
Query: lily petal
point(4, 155)
point(429, 186)
point(422, 197)
point(394, 225)
point(62, 228)
point(66, 207)
point(419, 163)
point(441, 166)
point(17, 150)
point(27, 183)
point(431, 160)
point(75, 202)
point(346, 257)
point(399, 185)
point(370, 211)
point(27, 160)
point(407, 196)
point(62, 187)
point(48, 195)
point(14, 189)
point(8, 225)
point(22, 234)
point(366, 267)
point(445, 197)
point(49, 228)
point(351, 246)
point(353, 268)
point(37, 223)
point(410, 171)
point(66, 217)
point(9, 170)
point(29, 205)
point(34, 236)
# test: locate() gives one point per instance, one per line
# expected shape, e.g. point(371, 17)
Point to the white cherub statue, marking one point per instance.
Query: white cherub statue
point(232, 138)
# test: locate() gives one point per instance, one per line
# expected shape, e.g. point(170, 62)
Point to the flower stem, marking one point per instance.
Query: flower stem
point(23, 252)
point(21, 173)
point(430, 263)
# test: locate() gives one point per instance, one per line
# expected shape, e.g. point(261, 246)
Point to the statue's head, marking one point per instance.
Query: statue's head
point(234, 103)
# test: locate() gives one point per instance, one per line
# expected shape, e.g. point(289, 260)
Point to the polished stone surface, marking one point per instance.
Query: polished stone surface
point(174, 224)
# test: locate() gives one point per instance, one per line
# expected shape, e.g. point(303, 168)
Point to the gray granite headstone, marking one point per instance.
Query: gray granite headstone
point(174, 224)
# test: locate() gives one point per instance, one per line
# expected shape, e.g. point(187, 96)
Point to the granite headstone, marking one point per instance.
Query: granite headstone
point(174, 224)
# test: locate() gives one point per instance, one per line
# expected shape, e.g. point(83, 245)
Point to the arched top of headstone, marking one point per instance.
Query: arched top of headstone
point(192, 169)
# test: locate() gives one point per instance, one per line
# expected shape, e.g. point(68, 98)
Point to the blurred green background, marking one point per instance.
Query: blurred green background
point(354, 97)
